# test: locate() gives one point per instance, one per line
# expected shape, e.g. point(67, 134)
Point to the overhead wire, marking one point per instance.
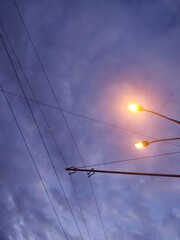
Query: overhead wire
point(105, 163)
point(50, 84)
point(131, 159)
point(88, 118)
point(96, 121)
point(34, 163)
point(40, 134)
point(48, 127)
point(62, 113)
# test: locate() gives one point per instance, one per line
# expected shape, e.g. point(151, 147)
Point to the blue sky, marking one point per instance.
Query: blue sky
point(98, 57)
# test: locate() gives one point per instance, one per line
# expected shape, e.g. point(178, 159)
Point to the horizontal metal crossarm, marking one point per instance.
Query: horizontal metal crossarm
point(74, 169)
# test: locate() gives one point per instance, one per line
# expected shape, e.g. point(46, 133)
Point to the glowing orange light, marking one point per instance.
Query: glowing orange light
point(141, 144)
point(135, 108)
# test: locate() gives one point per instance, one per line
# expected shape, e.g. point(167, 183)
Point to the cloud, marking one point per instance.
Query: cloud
point(98, 56)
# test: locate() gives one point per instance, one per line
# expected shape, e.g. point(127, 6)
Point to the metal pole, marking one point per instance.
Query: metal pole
point(164, 139)
point(160, 115)
point(93, 171)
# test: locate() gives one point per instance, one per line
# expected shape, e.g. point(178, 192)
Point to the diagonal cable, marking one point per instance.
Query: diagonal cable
point(106, 163)
point(58, 106)
point(48, 126)
point(40, 134)
point(131, 159)
point(88, 118)
point(34, 163)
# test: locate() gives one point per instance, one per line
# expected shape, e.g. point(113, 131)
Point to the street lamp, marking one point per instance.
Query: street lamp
point(136, 108)
point(143, 144)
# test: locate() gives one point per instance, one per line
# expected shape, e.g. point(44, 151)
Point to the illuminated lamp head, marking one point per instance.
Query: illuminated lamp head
point(135, 108)
point(141, 144)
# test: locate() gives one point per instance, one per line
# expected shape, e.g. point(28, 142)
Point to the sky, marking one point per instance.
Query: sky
point(68, 70)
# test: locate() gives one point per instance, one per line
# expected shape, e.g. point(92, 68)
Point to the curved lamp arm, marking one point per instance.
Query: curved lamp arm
point(160, 115)
point(137, 108)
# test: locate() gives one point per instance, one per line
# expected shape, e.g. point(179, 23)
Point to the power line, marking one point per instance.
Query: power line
point(130, 159)
point(45, 74)
point(52, 91)
point(99, 164)
point(59, 150)
point(92, 171)
point(87, 117)
point(33, 161)
point(41, 135)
